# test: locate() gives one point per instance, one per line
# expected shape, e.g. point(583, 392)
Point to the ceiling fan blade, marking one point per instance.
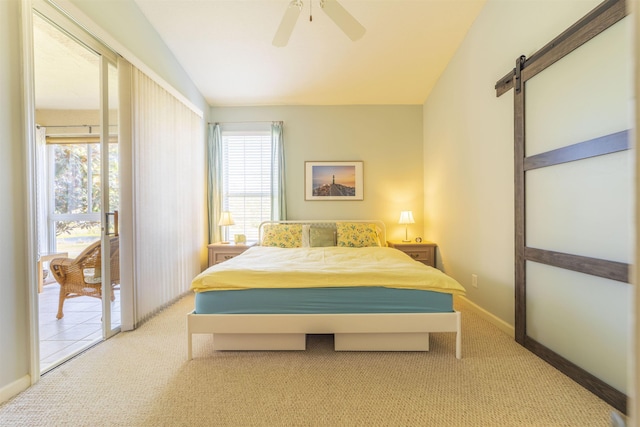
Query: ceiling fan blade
point(287, 24)
point(343, 19)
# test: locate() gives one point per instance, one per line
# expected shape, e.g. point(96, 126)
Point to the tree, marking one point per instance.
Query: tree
point(77, 185)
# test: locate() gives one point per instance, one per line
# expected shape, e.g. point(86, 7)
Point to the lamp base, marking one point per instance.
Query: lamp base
point(406, 234)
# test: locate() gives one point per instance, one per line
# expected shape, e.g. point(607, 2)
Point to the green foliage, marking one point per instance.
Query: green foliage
point(77, 184)
point(67, 227)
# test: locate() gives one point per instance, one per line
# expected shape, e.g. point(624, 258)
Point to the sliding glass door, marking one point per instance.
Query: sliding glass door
point(77, 187)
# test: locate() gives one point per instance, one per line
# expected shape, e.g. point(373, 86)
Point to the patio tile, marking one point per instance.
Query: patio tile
point(80, 327)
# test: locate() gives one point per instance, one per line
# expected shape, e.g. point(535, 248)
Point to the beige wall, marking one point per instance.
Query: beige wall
point(14, 313)
point(388, 139)
point(468, 132)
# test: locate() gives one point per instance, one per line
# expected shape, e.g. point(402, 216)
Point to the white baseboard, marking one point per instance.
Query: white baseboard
point(494, 320)
point(14, 388)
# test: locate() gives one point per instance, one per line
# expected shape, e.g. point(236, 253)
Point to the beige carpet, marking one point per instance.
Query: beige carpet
point(142, 378)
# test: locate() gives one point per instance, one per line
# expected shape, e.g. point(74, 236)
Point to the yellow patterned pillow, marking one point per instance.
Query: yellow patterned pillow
point(357, 235)
point(282, 235)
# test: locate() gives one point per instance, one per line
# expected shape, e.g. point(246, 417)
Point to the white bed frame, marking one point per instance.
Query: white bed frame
point(352, 332)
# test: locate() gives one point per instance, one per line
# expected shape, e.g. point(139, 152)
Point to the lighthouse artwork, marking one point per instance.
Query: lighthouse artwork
point(333, 180)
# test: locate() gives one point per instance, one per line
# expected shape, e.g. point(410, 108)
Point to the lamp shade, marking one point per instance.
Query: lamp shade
point(406, 217)
point(226, 219)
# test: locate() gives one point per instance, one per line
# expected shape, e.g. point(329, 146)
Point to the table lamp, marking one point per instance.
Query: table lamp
point(406, 217)
point(225, 221)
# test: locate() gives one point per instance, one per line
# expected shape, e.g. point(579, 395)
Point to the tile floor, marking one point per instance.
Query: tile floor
point(79, 328)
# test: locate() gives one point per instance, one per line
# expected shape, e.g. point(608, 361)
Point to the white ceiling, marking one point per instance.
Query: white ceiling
point(225, 47)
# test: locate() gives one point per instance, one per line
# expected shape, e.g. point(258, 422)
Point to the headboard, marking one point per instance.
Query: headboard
point(330, 223)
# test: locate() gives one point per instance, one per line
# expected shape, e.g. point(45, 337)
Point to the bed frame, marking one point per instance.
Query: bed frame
point(352, 332)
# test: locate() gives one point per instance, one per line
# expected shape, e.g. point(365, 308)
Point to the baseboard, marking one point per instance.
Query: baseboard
point(15, 388)
point(494, 320)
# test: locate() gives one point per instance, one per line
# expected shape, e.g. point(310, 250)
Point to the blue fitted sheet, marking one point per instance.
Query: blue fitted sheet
point(323, 301)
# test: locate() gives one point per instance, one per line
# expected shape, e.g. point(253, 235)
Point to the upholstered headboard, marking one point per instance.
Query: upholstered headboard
point(296, 229)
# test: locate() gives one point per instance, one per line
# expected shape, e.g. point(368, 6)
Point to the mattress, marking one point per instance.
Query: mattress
point(323, 301)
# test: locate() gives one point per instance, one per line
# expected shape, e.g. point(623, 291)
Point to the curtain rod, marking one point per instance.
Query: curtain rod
point(246, 121)
point(70, 126)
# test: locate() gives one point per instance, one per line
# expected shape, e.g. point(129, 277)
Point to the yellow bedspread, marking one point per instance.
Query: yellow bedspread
point(272, 267)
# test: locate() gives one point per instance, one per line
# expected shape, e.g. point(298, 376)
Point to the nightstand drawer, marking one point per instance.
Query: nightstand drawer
point(221, 252)
point(424, 252)
point(219, 257)
point(424, 256)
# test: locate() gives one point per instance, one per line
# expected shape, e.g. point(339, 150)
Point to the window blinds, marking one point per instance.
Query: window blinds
point(168, 207)
point(246, 175)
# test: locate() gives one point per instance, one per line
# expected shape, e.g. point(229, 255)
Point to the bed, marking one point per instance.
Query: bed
point(323, 277)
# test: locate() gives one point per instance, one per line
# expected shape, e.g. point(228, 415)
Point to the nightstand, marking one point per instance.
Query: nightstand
point(220, 252)
point(425, 252)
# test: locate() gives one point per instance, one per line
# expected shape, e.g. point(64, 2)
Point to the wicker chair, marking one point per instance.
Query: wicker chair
point(81, 276)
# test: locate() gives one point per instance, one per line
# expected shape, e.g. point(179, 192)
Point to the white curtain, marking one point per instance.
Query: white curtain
point(168, 188)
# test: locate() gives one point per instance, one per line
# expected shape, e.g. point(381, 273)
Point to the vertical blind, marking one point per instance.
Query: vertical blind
point(168, 175)
point(247, 169)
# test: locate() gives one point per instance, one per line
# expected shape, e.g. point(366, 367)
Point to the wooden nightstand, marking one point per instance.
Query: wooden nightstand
point(220, 252)
point(425, 252)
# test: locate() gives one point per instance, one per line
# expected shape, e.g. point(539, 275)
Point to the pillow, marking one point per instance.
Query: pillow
point(357, 235)
point(282, 235)
point(319, 237)
point(305, 236)
point(378, 234)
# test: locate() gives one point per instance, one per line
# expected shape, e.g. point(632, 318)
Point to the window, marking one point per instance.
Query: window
point(74, 191)
point(248, 184)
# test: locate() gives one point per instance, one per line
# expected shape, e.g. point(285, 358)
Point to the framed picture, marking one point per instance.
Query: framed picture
point(333, 181)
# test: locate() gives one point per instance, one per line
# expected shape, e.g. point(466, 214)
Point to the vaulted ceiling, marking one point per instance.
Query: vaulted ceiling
point(225, 46)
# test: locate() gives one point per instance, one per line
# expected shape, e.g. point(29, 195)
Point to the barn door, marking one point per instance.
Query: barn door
point(573, 195)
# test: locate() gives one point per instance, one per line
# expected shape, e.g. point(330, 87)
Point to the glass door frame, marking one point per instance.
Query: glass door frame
point(107, 57)
point(106, 234)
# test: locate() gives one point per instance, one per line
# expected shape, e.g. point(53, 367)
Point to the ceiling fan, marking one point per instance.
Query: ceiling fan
point(338, 14)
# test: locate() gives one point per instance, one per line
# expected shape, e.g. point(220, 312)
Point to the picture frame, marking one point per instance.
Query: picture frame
point(333, 180)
